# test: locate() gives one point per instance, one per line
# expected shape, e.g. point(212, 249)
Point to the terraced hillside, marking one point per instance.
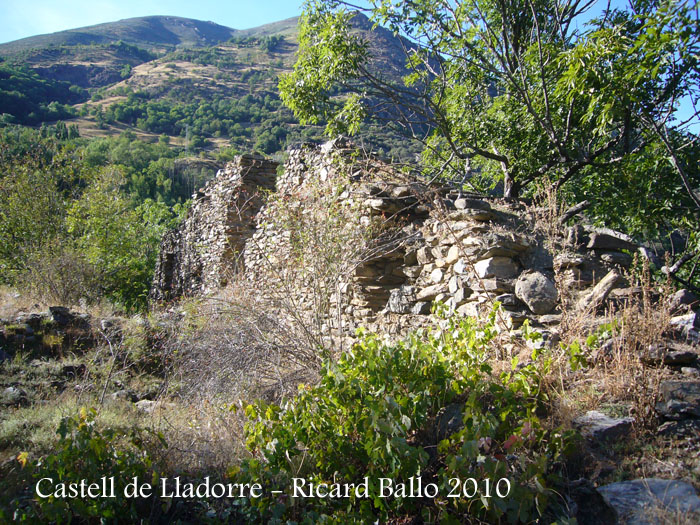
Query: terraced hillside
point(205, 86)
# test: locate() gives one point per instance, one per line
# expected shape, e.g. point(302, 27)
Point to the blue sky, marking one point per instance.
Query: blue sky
point(23, 18)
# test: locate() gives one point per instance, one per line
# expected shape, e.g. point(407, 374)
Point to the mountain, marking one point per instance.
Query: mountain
point(203, 85)
point(151, 32)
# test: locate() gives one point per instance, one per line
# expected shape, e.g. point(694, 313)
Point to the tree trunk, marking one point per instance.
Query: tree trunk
point(511, 187)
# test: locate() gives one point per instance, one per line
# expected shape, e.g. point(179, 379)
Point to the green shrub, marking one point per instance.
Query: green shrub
point(379, 412)
point(86, 453)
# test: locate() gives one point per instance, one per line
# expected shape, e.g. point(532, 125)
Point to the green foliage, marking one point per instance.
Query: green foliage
point(523, 91)
point(379, 412)
point(120, 241)
point(29, 99)
point(332, 53)
point(67, 225)
point(87, 453)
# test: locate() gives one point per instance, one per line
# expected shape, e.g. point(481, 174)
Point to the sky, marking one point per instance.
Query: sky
point(23, 18)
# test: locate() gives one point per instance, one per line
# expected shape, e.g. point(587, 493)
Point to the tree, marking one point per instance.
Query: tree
point(521, 90)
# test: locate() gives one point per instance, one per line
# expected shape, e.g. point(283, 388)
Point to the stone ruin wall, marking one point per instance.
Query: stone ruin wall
point(198, 256)
point(464, 251)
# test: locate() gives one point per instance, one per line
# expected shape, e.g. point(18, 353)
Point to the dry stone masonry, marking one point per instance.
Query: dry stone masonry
point(398, 246)
point(198, 256)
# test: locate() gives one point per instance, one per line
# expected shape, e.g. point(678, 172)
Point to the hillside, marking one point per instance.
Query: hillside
point(196, 294)
point(152, 32)
point(504, 351)
point(205, 86)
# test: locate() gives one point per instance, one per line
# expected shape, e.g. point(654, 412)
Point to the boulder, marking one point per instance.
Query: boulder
point(641, 501)
point(610, 242)
point(499, 267)
point(60, 315)
point(671, 355)
point(537, 291)
point(679, 399)
point(596, 426)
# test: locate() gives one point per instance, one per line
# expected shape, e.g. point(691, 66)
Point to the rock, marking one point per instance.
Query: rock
point(597, 296)
point(588, 506)
point(550, 319)
point(514, 318)
point(690, 371)
point(679, 399)
point(508, 300)
point(436, 275)
point(13, 396)
point(60, 315)
point(567, 261)
point(454, 284)
point(452, 255)
point(449, 420)
point(410, 258)
point(683, 299)
point(616, 258)
point(470, 214)
point(460, 266)
point(401, 299)
point(596, 426)
point(421, 308)
point(635, 501)
point(492, 286)
point(610, 242)
point(499, 267)
point(461, 295)
point(537, 291)
point(470, 309)
point(683, 429)
point(411, 272)
point(473, 204)
point(430, 292)
point(576, 235)
point(424, 255)
point(686, 326)
point(658, 354)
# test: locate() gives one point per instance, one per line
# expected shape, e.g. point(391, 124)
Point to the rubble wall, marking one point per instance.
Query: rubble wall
point(425, 244)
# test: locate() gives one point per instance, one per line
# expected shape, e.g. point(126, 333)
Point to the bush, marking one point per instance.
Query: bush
point(84, 452)
point(382, 411)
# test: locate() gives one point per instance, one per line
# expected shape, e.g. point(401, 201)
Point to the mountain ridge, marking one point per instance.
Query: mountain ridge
point(169, 32)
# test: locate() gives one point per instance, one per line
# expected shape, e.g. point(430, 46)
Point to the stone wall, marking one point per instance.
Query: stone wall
point(197, 257)
point(400, 246)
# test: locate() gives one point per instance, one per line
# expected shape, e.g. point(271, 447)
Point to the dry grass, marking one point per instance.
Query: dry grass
point(236, 347)
point(614, 345)
point(204, 438)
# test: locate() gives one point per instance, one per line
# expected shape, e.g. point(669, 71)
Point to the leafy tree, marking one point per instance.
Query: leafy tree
point(524, 93)
point(120, 241)
point(521, 90)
